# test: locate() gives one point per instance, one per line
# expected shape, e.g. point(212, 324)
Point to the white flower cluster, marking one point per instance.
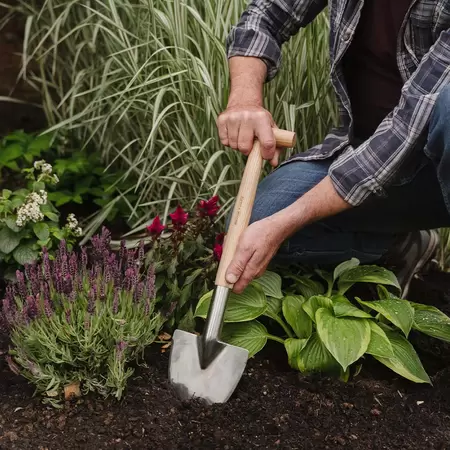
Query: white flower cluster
point(43, 166)
point(31, 209)
point(72, 224)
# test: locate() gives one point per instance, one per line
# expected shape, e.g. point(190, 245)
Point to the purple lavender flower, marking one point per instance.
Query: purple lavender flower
point(115, 308)
point(73, 265)
point(25, 316)
point(48, 307)
point(150, 282)
point(64, 266)
point(32, 307)
point(8, 310)
point(147, 307)
point(84, 258)
point(138, 292)
point(46, 260)
point(131, 258)
point(68, 285)
point(141, 253)
point(21, 284)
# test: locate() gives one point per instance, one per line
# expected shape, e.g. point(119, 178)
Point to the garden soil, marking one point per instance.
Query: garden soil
point(272, 408)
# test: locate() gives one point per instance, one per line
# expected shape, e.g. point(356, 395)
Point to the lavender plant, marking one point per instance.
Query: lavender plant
point(81, 318)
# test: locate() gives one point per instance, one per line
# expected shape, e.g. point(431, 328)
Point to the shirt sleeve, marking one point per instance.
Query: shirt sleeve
point(372, 166)
point(266, 24)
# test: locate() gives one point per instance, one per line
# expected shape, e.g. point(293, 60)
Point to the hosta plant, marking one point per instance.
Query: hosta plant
point(185, 254)
point(29, 221)
point(324, 330)
point(80, 319)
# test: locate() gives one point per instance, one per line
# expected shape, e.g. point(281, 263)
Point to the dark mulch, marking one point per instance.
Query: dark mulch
point(273, 407)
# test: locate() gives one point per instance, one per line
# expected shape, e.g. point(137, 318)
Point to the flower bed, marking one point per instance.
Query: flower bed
point(273, 407)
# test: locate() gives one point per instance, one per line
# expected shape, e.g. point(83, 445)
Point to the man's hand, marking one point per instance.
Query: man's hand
point(257, 246)
point(245, 117)
point(240, 124)
point(261, 241)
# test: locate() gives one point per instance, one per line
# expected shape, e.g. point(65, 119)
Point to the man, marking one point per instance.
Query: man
point(379, 179)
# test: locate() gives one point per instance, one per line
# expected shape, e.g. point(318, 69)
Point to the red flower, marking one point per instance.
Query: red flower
point(179, 217)
point(220, 238)
point(209, 207)
point(156, 227)
point(218, 249)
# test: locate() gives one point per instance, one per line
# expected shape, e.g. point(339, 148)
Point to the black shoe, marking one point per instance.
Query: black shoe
point(412, 255)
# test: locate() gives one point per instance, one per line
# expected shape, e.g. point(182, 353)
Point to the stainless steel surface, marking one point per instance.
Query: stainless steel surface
point(213, 384)
point(213, 326)
point(202, 366)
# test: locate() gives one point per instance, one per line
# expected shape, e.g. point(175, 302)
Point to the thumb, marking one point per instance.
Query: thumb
point(238, 264)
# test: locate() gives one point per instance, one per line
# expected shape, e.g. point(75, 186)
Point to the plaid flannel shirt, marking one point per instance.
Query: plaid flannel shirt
point(423, 57)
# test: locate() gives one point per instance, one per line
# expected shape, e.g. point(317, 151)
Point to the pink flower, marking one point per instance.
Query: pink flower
point(209, 207)
point(218, 249)
point(179, 217)
point(156, 227)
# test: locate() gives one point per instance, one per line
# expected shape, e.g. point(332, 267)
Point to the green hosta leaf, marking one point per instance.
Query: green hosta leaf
point(240, 307)
point(379, 344)
point(314, 357)
point(366, 274)
point(296, 316)
point(342, 307)
point(399, 312)
point(249, 335)
point(345, 338)
point(384, 294)
point(293, 348)
point(431, 321)
point(9, 240)
point(274, 306)
point(41, 231)
point(405, 361)
point(11, 224)
point(24, 254)
point(314, 303)
point(343, 267)
point(271, 284)
point(307, 287)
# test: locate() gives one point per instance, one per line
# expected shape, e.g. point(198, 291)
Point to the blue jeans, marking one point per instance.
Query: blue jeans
point(366, 232)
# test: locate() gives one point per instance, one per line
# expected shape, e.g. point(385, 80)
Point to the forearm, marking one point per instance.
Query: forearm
point(320, 202)
point(247, 75)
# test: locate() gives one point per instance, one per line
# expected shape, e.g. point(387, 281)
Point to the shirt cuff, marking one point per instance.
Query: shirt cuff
point(353, 181)
point(255, 43)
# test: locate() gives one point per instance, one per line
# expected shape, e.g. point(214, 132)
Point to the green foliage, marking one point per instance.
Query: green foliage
point(19, 149)
point(144, 82)
point(185, 255)
point(82, 176)
point(79, 320)
point(324, 331)
point(29, 221)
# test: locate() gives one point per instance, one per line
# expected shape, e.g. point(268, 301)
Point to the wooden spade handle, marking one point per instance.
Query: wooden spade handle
point(244, 202)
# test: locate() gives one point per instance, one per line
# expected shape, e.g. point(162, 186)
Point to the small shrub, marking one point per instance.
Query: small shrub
point(324, 331)
point(185, 255)
point(29, 221)
point(81, 319)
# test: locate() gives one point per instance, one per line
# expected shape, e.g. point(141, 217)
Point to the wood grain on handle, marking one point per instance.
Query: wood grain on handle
point(244, 202)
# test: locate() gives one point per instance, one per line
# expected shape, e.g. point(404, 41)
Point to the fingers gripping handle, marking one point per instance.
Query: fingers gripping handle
point(244, 202)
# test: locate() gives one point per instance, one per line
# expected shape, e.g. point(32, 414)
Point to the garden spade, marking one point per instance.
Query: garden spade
point(203, 366)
